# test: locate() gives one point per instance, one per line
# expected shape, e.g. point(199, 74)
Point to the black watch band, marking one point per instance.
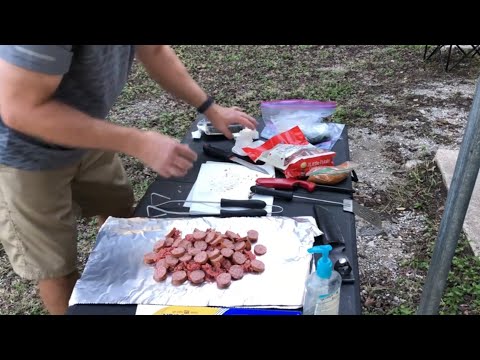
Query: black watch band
point(202, 108)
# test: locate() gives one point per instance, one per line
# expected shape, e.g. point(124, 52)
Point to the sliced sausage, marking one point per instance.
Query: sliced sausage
point(162, 262)
point(178, 252)
point(210, 236)
point(228, 244)
point(239, 246)
point(238, 258)
point(169, 241)
point(177, 242)
point(186, 244)
point(193, 251)
point(226, 264)
point(224, 280)
point(158, 245)
point(217, 240)
point(199, 235)
point(217, 260)
point(236, 271)
point(149, 258)
point(160, 273)
point(248, 245)
point(201, 257)
point(179, 277)
point(200, 245)
point(257, 266)
point(186, 258)
point(213, 253)
point(171, 260)
point(260, 250)
point(227, 252)
point(196, 277)
point(179, 266)
point(252, 235)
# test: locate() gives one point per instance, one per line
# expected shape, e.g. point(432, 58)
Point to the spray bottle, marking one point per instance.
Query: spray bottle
point(322, 295)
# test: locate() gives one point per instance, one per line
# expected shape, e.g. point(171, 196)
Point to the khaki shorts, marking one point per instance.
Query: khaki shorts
point(38, 211)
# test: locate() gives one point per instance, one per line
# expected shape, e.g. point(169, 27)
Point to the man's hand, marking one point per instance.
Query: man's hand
point(165, 155)
point(221, 117)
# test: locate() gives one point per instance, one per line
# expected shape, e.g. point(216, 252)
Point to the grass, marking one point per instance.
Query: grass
point(424, 191)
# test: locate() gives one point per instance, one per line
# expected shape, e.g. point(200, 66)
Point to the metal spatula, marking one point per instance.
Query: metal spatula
point(348, 204)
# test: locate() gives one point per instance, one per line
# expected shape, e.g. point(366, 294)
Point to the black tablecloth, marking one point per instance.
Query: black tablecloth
point(180, 188)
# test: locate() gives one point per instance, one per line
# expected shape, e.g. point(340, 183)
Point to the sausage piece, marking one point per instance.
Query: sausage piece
point(238, 258)
point(210, 237)
point(196, 277)
point(171, 260)
point(201, 257)
point(236, 271)
point(158, 245)
point(193, 251)
point(257, 266)
point(228, 244)
point(179, 277)
point(178, 252)
point(260, 250)
point(186, 258)
point(239, 246)
point(252, 235)
point(224, 280)
point(149, 258)
point(199, 235)
point(213, 253)
point(160, 273)
point(226, 252)
point(200, 245)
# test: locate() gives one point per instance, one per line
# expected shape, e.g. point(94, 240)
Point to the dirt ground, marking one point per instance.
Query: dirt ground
point(399, 110)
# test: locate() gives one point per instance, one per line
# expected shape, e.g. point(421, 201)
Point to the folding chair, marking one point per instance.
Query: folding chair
point(464, 54)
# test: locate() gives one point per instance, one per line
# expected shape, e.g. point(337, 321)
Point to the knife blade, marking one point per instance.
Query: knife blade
point(229, 156)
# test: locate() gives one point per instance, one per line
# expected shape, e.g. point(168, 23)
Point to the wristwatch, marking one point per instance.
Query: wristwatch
point(206, 104)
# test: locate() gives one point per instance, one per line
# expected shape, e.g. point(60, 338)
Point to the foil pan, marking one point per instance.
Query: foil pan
point(116, 274)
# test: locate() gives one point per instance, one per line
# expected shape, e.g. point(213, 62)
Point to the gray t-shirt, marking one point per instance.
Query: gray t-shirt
point(93, 78)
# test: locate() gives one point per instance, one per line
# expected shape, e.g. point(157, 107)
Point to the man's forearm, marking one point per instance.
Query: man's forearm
point(60, 124)
point(168, 71)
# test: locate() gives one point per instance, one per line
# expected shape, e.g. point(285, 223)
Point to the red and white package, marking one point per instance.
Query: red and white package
point(294, 136)
point(302, 161)
point(291, 152)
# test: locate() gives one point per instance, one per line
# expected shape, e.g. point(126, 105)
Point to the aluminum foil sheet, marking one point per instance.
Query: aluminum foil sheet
point(116, 274)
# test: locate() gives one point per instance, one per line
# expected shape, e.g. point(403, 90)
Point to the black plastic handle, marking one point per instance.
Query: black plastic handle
point(233, 213)
point(261, 190)
point(249, 204)
point(217, 152)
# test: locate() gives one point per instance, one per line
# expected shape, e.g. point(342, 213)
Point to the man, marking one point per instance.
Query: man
point(58, 156)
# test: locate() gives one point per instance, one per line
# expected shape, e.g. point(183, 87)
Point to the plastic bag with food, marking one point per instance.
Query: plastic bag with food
point(309, 115)
point(330, 175)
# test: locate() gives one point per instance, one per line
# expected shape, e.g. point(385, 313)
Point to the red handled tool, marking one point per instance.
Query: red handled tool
point(290, 184)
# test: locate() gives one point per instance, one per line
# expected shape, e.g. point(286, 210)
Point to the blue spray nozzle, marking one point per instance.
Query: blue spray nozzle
point(324, 264)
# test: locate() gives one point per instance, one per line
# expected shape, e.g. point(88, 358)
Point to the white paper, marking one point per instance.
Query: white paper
point(221, 180)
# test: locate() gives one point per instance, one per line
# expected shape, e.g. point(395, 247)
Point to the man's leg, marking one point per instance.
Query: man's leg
point(38, 230)
point(55, 293)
